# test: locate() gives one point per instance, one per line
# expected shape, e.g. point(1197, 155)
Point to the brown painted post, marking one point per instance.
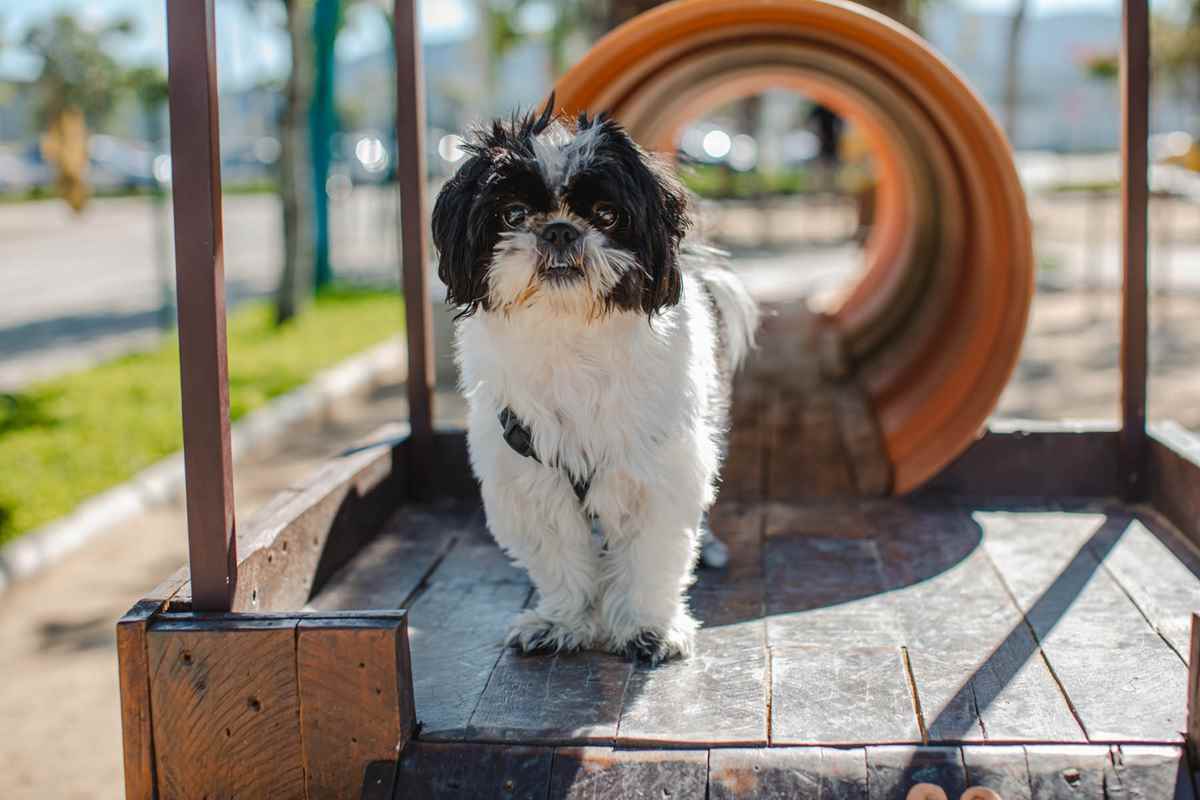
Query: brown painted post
point(1135, 111)
point(200, 292)
point(410, 174)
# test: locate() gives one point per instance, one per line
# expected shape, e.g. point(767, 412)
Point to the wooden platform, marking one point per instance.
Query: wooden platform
point(857, 644)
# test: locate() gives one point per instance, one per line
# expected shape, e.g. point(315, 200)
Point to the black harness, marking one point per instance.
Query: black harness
point(518, 437)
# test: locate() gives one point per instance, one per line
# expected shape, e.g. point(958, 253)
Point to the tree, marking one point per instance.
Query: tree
point(77, 86)
point(295, 171)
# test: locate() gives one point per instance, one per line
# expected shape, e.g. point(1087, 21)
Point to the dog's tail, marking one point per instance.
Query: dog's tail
point(738, 313)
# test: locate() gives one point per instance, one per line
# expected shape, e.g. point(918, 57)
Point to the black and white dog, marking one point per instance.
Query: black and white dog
point(596, 350)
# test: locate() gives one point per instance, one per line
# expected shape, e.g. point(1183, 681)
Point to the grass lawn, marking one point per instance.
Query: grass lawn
point(67, 439)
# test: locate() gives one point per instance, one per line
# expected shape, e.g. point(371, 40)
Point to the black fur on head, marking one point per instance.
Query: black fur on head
point(555, 169)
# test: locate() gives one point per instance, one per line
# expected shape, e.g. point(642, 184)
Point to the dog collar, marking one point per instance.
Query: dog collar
point(517, 436)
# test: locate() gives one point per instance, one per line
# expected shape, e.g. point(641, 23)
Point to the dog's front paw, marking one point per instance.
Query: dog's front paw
point(534, 633)
point(653, 645)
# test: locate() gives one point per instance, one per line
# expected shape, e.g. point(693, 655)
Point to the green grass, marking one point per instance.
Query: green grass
point(67, 439)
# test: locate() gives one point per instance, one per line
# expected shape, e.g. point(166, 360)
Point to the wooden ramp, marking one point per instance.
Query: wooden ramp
point(855, 645)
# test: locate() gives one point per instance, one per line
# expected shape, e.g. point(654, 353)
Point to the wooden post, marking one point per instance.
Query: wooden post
point(200, 292)
point(1135, 110)
point(410, 174)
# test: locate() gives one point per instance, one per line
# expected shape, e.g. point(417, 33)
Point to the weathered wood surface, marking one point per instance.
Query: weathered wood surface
point(438, 771)
point(137, 736)
point(999, 768)
point(825, 694)
point(1083, 619)
point(572, 697)
point(1174, 476)
point(784, 773)
point(356, 703)
point(594, 772)
point(893, 771)
point(1193, 691)
point(225, 708)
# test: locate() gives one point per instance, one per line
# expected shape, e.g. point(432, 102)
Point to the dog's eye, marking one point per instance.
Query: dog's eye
point(514, 215)
point(605, 214)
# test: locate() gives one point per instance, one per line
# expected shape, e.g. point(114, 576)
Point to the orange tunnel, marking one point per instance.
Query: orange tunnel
point(934, 323)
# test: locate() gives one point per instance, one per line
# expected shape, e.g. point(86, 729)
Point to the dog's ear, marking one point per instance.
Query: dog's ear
point(462, 265)
point(668, 225)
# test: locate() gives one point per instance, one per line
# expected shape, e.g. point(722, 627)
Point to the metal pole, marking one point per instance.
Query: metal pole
point(200, 297)
point(1135, 113)
point(411, 179)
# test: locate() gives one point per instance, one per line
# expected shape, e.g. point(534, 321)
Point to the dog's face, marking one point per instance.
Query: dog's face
point(575, 218)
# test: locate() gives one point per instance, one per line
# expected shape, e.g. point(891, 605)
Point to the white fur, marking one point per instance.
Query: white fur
point(626, 398)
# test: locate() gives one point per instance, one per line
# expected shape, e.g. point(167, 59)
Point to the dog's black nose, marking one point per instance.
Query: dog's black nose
point(560, 234)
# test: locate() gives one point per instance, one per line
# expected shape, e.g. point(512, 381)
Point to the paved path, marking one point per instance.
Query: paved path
point(79, 289)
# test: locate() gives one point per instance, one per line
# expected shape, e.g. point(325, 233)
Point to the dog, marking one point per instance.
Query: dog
point(596, 347)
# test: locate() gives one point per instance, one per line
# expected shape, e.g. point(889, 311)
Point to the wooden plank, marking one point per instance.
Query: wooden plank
point(1065, 772)
point(988, 680)
point(225, 708)
point(1156, 570)
point(1135, 200)
point(601, 772)
point(999, 768)
point(1144, 772)
point(433, 771)
point(718, 696)
point(136, 733)
point(820, 587)
point(831, 695)
point(389, 570)
point(862, 441)
point(356, 701)
point(893, 771)
point(1082, 619)
point(1174, 476)
point(784, 773)
point(294, 549)
point(200, 302)
point(560, 698)
point(456, 634)
point(1049, 462)
point(414, 237)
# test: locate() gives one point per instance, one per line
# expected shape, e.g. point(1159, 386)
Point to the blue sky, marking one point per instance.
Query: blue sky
point(246, 53)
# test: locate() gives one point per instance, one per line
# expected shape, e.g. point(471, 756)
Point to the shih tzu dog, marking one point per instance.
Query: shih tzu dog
point(596, 349)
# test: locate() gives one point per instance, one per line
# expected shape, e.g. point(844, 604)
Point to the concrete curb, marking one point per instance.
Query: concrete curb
point(163, 481)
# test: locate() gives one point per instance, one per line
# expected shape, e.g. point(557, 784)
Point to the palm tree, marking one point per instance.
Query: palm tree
point(77, 86)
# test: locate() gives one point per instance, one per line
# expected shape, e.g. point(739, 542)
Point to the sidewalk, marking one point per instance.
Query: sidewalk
point(57, 642)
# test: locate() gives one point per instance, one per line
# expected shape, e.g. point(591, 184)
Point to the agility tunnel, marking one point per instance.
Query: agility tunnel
point(932, 326)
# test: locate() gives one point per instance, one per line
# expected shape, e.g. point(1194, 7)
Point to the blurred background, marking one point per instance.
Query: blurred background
point(88, 363)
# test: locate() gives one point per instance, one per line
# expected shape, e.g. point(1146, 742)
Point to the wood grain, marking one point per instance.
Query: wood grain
point(783, 773)
point(356, 702)
point(1156, 569)
point(984, 678)
point(225, 708)
point(1063, 772)
point(1174, 476)
point(552, 698)
point(137, 734)
point(893, 771)
point(1193, 691)
point(829, 695)
point(1082, 618)
point(389, 570)
point(718, 696)
point(435, 771)
point(456, 634)
point(999, 768)
point(1144, 772)
point(599, 772)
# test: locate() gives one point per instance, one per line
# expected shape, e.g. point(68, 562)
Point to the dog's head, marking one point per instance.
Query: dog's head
point(574, 217)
